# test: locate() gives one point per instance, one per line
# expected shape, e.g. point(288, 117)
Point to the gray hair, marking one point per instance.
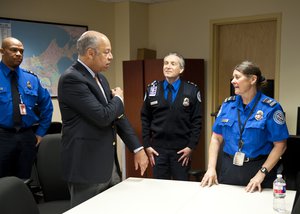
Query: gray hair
point(181, 59)
point(86, 41)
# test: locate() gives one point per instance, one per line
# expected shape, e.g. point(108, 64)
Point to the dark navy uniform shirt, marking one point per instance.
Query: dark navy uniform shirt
point(176, 126)
point(265, 126)
point(31, 93)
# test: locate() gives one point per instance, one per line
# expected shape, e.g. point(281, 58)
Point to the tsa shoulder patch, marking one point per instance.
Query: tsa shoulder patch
point(228, 99)
point(278, 117)
point(269, 101)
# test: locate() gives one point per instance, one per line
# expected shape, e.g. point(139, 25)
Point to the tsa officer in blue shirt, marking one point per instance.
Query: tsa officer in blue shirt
point(253, 130)
point(21, 94)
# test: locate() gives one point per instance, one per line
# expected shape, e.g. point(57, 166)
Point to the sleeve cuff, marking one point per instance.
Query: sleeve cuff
point(138, 149)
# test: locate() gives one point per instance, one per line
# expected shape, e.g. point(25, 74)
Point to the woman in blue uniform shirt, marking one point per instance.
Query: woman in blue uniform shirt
point(251, 129)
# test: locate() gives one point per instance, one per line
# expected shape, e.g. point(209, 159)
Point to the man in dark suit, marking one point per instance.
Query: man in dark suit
point(92, 115)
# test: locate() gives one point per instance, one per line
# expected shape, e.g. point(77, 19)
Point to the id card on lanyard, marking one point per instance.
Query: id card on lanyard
point(239, 156)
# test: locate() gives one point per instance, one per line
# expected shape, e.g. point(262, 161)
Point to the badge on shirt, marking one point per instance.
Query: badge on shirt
point(22, 108)
point(29, 85)
point(153, 90)
point(239, 158)
point(186, 102)
point(259, 115)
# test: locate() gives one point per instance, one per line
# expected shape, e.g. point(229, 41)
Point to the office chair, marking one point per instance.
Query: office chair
point(54, 188)
point(15, 197)
point(33, 182)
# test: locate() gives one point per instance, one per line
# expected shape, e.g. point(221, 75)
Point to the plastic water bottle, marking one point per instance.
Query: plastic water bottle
point(279, 193)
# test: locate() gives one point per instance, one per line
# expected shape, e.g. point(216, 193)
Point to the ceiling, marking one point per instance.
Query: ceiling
point(142, 1)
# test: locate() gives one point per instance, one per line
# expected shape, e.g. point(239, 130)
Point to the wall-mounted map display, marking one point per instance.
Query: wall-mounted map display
point(50, 48)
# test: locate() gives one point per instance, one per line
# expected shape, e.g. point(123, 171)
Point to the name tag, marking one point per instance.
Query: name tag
point(153, 102)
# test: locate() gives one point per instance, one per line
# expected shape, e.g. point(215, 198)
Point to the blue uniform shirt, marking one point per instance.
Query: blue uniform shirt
point(31, 94)
point(176, 86)
point(265, 126)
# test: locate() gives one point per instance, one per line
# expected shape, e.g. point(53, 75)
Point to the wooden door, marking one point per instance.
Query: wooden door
point(147, 71)
point(254, 41)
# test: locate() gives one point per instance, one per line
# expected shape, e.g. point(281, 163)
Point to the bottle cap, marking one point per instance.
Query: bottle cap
point(279, 175)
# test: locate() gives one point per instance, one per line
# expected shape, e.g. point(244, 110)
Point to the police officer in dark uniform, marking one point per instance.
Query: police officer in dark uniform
point(171, 121)
point(253, 129)
point(21, 95)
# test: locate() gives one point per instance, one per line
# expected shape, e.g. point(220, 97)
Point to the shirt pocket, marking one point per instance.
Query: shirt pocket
point(256, 131)
point(4, 96)
point(30, 97)
point(228, 129)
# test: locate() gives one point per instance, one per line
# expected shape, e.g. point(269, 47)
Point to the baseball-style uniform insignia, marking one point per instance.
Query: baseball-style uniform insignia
point(186, 102)
point(259, 115)
point(278, 117)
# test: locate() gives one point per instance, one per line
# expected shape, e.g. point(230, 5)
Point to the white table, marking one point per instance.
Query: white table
point(152, 196)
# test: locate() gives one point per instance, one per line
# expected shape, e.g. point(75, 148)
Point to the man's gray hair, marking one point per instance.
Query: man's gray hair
point(181, 59)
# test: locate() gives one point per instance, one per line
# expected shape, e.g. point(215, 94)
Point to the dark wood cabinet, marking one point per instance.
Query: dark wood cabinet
point(137, 74)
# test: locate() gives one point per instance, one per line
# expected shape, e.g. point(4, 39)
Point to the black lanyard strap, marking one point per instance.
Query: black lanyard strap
point(242, 126)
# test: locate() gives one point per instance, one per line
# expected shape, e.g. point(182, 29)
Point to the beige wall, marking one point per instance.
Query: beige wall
point(179, 25)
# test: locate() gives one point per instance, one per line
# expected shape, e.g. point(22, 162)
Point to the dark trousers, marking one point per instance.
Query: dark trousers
point(17, 153)
point(81, 192)
point(168, 167)
point(241, 175)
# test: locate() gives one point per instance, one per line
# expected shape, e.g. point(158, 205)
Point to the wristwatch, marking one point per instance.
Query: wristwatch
point(264, 170)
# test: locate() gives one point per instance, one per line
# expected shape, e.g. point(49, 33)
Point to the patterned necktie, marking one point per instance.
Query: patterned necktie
point(16, 99)
point(170, 93)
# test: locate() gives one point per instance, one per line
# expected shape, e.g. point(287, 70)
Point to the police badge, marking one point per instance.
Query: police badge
point(186, 102)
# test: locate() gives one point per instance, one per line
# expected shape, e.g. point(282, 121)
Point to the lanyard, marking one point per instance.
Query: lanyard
point(242, 126)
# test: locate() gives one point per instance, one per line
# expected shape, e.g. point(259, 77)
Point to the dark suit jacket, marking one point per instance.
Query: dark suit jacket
point(90, 126)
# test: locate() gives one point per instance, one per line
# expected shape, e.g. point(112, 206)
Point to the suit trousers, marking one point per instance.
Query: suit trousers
point(81, 192)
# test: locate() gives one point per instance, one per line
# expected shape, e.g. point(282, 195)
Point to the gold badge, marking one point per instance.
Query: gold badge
point(186, 102)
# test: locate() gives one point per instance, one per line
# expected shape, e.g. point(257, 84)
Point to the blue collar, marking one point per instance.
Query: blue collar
point(175, 84)
point(6, 70)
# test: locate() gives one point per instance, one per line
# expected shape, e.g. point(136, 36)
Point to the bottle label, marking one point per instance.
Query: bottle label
point(279, 189)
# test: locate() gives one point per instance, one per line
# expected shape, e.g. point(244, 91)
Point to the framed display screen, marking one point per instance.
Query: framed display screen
point(49, 48)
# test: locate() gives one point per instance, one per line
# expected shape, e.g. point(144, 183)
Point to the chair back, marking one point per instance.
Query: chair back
point(15, 197)
point(49, 169)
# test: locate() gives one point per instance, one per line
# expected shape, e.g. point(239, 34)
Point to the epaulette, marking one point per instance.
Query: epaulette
point(232, 98)
point(269, 101)
point(194, 84)
point(30, 72)
point(155, 82)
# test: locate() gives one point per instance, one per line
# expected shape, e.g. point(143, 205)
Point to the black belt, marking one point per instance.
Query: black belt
point(260, 157)
point(14, 130)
